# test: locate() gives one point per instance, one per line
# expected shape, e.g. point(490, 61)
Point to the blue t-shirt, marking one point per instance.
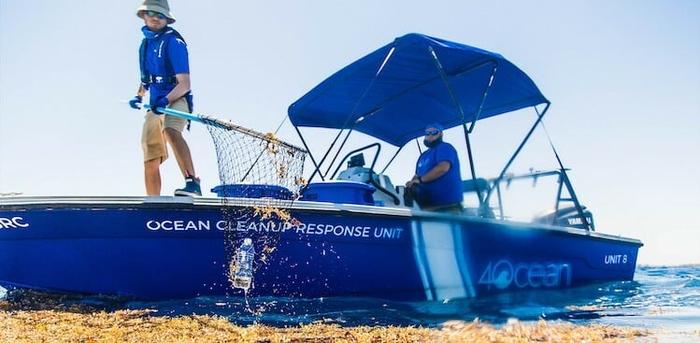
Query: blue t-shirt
point(447, 189)
point(156, 60)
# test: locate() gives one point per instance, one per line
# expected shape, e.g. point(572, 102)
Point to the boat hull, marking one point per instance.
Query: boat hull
point(169, 248)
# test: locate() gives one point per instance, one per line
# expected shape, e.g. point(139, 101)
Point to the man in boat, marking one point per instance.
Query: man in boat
point(165, 74)
point(437, 184)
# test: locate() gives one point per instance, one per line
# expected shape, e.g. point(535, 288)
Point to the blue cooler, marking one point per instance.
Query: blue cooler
point(339, 192)
point(252, 191)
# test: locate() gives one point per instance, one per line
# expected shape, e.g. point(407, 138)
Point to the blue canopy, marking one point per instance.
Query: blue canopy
point(393, 92)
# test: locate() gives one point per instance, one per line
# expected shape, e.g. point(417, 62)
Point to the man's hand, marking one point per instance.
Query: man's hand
point(414, 181)
point(160, 102)
point(136, 102)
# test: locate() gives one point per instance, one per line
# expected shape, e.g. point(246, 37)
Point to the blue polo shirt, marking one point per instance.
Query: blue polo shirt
point(447, 189)
point(157, 51)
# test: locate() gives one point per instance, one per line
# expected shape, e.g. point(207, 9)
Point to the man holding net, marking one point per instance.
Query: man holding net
point(165, 74)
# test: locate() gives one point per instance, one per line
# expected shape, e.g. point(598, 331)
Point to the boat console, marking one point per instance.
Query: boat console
point(385, 194)
point(357, 182)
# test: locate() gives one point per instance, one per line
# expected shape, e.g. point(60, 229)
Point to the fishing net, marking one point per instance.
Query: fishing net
point(267, 172)
point(247, 157)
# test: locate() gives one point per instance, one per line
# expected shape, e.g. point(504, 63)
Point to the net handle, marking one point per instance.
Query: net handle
point(225, 124)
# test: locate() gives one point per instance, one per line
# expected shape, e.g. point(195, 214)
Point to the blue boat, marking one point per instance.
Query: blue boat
point(351, 233)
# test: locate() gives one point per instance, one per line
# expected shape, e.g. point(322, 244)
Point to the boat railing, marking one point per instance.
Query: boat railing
point(496, 183)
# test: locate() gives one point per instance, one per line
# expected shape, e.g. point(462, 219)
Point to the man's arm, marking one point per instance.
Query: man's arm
point(142, 90)
point(182, 87)
point(433, 174)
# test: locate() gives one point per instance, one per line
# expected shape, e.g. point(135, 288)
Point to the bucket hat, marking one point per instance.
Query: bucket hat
point(160, 6)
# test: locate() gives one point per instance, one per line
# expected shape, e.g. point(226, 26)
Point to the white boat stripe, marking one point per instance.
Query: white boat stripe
point(463, 259)
point(419, 255)
point(443, 268)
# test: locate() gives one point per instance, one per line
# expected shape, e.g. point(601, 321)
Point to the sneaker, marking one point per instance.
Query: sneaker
point(191, 189)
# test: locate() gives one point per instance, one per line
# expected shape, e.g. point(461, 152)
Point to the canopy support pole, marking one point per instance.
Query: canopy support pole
point(471, 128)
point(457, 73)
point(483, 97)
point(308, 150)
point(392, 158)
point(357, 103)
point(577, 204)
point(471, 163)
point(500, 201)
point(565, 179)
point(460, 111)
point(515, 154)
point(318, 167)
point(330, 165)
point(556, 204)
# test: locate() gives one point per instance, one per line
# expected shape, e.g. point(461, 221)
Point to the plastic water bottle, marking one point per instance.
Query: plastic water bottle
point(243, 277)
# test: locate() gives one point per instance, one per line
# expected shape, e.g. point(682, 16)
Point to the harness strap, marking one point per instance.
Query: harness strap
point(161, 79)
point(190, 106)
point(146, 77)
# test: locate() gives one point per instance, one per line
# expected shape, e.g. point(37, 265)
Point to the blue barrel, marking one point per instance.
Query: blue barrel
point(339, 192)
point(252, 191)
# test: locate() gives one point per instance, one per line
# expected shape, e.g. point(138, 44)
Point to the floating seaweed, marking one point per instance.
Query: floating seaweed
point(141, 326)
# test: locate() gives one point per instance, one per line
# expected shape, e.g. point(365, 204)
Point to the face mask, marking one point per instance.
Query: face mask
point(433, 143)
point(150, 34)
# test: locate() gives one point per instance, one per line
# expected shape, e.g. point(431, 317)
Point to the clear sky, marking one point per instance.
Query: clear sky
point(623, 78)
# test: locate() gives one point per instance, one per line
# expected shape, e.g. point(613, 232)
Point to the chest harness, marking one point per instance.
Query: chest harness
point(169, 78)
point(146, 77)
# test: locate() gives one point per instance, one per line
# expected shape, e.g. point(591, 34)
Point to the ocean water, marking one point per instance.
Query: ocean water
point(659, 298)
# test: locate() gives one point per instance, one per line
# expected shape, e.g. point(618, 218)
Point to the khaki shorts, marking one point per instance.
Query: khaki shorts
point(152, 138)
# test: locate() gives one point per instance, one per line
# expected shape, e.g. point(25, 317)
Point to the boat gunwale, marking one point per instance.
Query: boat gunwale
point(13, 202)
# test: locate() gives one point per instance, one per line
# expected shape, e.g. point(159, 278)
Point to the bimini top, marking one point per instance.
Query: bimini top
point(393, 92)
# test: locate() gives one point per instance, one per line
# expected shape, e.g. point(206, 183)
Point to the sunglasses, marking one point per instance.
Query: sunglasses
point(155, 14)
point(432, 132)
